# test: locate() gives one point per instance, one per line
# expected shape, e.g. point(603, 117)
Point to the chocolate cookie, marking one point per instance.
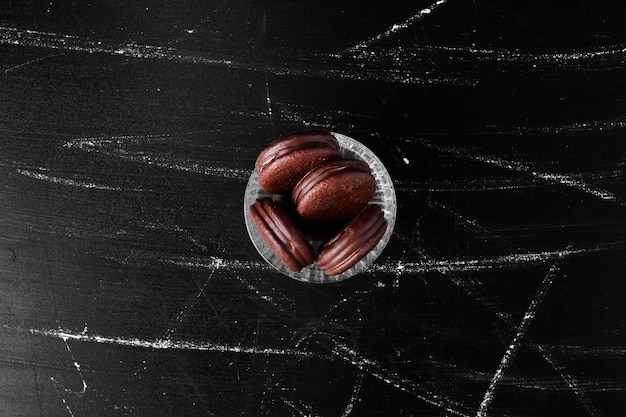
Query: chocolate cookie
point(285, 161)
point(353, 242)
point(281, 234)
point(334, 191)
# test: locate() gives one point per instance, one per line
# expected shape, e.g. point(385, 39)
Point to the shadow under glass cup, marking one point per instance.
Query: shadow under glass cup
point(384, 197)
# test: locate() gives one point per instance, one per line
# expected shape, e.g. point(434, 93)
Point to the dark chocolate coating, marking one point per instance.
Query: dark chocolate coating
point(334, 191)
point(285, 161)
point(281, 234)
point(353, 242)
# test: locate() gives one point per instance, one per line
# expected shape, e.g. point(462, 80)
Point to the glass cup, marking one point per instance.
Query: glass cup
point(384, 197)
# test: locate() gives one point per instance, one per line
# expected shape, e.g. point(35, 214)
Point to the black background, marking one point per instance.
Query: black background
point(128, 283)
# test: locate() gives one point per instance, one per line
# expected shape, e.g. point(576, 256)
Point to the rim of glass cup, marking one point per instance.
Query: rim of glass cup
point(384, 197)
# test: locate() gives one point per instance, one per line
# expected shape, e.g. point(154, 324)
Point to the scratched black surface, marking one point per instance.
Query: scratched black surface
point(129, 286)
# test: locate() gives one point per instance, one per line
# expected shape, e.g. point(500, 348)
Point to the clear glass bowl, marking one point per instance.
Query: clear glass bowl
point(384, 196)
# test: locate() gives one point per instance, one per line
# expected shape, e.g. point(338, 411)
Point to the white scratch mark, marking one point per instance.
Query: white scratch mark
point(465, 221)
point(228, 264)
point(278, 304)
point(518, 166)
point(308, 412)
point(80, 373)
point(51, 40)
point(510, 352)
point(116, 146)
point(397, 27)
point(356, 295)
point(190, 304)
point(604, 57)
point(268, 98)
point(445, 266)
point(374, 369)
point(69, 182)
point(593, 351)
point(354, 396)
point(547, 356)
point(165, 344)
point(333, 68)
point(572, 128)
point(464, 185)
point(76, 365)
point(402, 267)
point(32, 61)
point(506, 318)
point(572, 382)
point(176, 228)
point(67, 406)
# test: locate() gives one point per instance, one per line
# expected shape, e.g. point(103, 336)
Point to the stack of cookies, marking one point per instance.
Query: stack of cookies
point(320, 208)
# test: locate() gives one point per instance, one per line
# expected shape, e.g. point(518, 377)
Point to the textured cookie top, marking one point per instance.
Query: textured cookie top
point(284, 162)
point(334, 191)
point(297, 141)
point(353, 242)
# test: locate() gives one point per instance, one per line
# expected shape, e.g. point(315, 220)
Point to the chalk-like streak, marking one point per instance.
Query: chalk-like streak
point(562, 179)
point(478, 60)
point(469, 287)
point(404, 157)
point(398, 27)
point(572, 382)
point(572, 128)
point(51, 40)
point(185, 233)
point(32, 61)
point(468, 185)
point(468, 223)
point(327, 114)
point(521, 330)
point(328, 67)
point(115, 146)
point(307, 120)
point(395, 380)
point(66, 390)
point(602, 52)
point(83, 389)
point(402, 267)
point(227, 264)
point(184, 165)
point(268, 99)
point(506, 262)
point(191, 303)
point(331, 119)
point(262, 295)
point(167, 344)
point(355, 296)
point(592, 351)
point(354, 395)
point(548, 384)
point(67, 406)
point(70, 182)
point(95, 142)
point(299, 409)
point(576, 128)
point(412, 65)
